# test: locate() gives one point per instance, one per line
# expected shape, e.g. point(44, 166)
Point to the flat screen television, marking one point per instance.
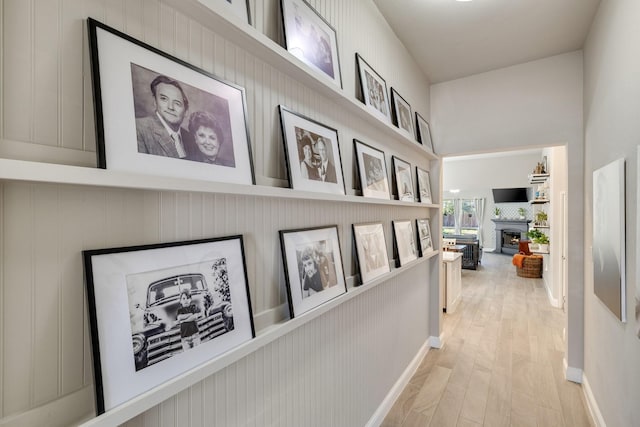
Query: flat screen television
point(510, 195)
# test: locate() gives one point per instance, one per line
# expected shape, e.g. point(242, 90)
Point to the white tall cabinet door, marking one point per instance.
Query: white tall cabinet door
point(452, 265)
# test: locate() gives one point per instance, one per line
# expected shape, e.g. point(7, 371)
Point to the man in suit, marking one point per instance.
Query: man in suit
point(326, 170)
point(161, 133)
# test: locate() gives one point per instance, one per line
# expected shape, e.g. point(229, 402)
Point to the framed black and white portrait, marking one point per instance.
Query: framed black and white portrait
point(424, 236)
point(312, 267)
point(157, 311)
point(371, 251)
point(313, 154)
point(239, 8)
point(423, 132)
point(374, 90)
point(310, 38)
point(424, 186)
point(402, 177)
point(402, 115)
point(156, 114)
point(372, 170)
point(404, 238)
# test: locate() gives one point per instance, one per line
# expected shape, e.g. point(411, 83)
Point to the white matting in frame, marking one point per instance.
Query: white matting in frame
point(313, 267)
point(371, 250)
point(239, 8)
point(140, 93)
point(372, 169)
point(424, 236)
point(313, 154)
point(405, 240)
point(424, 186)
point(144, 331)
point(404, 183)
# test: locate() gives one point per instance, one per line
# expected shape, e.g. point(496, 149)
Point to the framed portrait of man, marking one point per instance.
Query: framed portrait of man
point(374, 90)
point(402, 177)
point(371, 251)
point(402, 115)
point(372, 170)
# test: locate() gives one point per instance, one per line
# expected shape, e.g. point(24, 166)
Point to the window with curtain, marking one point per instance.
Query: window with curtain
point(468, 218)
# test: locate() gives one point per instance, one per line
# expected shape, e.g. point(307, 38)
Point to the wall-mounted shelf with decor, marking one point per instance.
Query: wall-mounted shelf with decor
point(538, 178)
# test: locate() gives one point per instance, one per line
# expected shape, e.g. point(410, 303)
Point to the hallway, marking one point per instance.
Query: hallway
point(502, 360)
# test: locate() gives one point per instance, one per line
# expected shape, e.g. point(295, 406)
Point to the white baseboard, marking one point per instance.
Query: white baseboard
point(553, 301)
point(572, 374)
point(592, 405)
point(378, 417)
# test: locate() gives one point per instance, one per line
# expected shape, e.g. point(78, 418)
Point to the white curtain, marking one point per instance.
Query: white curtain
point(479, 205)
point(457, 215)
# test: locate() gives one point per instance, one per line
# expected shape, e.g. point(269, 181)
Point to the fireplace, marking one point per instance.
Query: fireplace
point(509, 232)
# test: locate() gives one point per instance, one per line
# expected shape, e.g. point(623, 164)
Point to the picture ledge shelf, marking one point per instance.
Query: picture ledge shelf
point(142, 402)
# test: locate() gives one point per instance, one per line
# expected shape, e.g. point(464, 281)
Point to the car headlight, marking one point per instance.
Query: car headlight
point(138, 343)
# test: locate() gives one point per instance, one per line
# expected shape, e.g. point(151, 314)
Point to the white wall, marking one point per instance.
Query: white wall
point(529, 105)
point(611, 106)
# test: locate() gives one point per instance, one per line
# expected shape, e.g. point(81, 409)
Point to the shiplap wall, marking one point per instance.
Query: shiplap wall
point(335, 370)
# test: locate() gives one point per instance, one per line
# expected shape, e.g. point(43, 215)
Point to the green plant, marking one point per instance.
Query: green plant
point(538, 236)
point(522, 211)
point(496, 211)
point(541, 216)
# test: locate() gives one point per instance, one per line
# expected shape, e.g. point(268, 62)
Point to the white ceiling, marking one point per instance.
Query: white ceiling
point(451, 39)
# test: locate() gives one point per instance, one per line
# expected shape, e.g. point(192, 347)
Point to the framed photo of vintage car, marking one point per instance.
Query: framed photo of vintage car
point(405, 242)
point(374, 90)
point(372, 170)
point(371, 251)
point(312, 267)
point(402, 178)
point(157, 114)
point(424, 186)
point(157, 311)
point(423, 132)
point(313, 154)
point(425, 243)
point(402, 115)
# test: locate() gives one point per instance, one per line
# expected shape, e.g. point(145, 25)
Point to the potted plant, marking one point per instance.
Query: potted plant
point(496, 212)
point(522, 212)
point(541, 218)
point(540, 240)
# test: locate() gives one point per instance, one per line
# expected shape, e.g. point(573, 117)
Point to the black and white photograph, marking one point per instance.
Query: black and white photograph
point(371, 251)
point(313, 267)
point(372, 170)
point(157, 311)
point(313, 154)
point(424, 236)
point(157, 114)
point(310, 38)
point(402, 176)
point(424, 186)
point(423, 132)
point(239, 8)
point(608, 249)
point(373, 89)
point(405, 242)
point(402, 115)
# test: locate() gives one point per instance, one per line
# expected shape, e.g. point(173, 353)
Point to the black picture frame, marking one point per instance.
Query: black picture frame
point(141, 93)
point(404, 239)
point(425, 241)
point(313, 267)
point(402, 175)
point(371, 251)
point(423, 132)
point(157, 311)
point(305, 140)
point(402, 114)
point(373, 89)
point(372, 171)
point(424, 186)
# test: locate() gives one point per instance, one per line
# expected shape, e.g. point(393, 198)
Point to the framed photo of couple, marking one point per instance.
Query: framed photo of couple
point(156, 114)
point(312, 267)
point(313, 154)
point(157, 311)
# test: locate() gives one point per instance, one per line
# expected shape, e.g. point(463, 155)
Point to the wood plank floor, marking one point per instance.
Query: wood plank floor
point(501, 364)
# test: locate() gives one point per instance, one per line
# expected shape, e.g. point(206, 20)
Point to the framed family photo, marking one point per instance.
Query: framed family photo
point(237, 7)
point(310, 38)
point(404, 183)
point(371, 251)
point(313, 154)
point(423, 132)
point(402, 116)
point(372, 170)
point(157, 311)
point(156, 114)
point(424, 236)
point(405, 242)
point(312, 267)
point(373, 89)
point(424, 186)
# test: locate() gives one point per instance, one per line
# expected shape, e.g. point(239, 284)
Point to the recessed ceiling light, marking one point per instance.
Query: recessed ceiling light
point(457, 190)
point(463, 0)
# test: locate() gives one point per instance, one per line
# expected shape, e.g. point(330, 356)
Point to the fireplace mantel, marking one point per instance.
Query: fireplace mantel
point(515, 225)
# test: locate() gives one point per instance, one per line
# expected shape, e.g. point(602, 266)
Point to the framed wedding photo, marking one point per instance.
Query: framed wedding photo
point(156, 114)
point(310, 38)
point(405, 243)
point(371, 251)
point(312, 267)
point(424, 186)
point(424, 236)
point(313, 154)
point(403, 181)
point(423, 132)
point(402, 115)
point(372, 170)
point(373, 89)
point(239, 8)
point(157, 311)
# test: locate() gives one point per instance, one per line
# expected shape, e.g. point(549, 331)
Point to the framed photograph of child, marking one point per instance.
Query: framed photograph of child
point(404, 242)
point(402, 177)
point(374, 90)
point(424, 186)
point(371, 251)
point(157, 311)
point(156, 114)
point(423, 132)
point(239, 8)
point(402, 115)
point(313, 154)
point(372, 170)
point(310, 38)
point(312, 267)
point(424, 236)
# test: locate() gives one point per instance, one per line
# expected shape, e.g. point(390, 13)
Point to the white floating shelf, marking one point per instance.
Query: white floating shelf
point(538, 178)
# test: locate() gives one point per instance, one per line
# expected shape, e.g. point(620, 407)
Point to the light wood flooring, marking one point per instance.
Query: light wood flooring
point(501, 364)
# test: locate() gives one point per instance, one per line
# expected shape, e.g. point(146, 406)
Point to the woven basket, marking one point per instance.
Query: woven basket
point(531, 267)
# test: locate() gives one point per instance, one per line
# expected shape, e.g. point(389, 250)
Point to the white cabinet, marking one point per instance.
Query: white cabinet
point(452, 289)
